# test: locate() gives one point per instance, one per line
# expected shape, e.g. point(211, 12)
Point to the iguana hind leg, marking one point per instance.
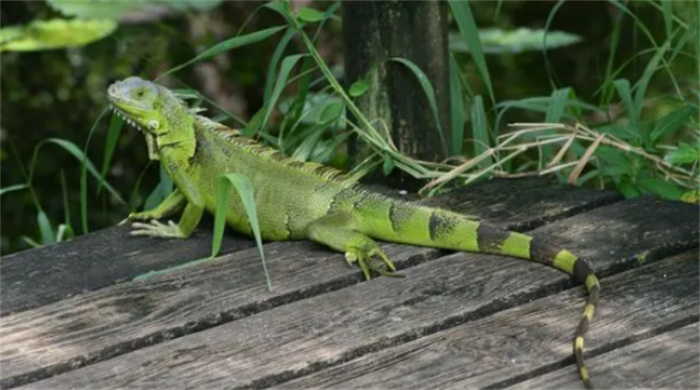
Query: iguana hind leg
point(337, 231)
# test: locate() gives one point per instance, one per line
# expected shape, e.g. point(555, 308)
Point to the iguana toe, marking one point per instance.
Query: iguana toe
point(366, 259)
point(157, 229)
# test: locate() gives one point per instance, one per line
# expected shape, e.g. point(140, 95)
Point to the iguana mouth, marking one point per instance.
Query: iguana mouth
point(120, 113)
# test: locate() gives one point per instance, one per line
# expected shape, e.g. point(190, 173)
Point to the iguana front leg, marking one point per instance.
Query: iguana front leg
point(169, 206)
point(337, 231)
point(190, 217)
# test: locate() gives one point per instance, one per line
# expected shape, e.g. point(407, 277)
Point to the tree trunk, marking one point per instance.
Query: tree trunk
point(376, 31)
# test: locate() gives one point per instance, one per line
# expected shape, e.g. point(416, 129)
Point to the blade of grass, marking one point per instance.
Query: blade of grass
point(66, 203)
point(557, 105)
point(274, 61)
point(607, 88)
point(667, 11)
point(457, 114)
point(12, 188)
point(86, 166)
point(624, 90)
point(47, 236)
point(429, 92)
point(287, 65)
point(227, 45)
point(551, 74)
point(244, 188)
point(673, 121)
point(480, 131)
point(470, 33)
point(116, 125)
point(306, 66)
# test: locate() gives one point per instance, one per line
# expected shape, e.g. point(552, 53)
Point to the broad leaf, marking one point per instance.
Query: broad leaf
point(54, 34)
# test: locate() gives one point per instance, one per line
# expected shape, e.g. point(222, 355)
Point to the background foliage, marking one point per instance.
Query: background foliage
point(597, 56)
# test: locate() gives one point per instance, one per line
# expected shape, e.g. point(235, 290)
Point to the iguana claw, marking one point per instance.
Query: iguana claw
point(142, 216)
point(157, 229)
point(365, 259)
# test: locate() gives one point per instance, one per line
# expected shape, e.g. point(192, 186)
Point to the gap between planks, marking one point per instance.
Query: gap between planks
point(271, 348)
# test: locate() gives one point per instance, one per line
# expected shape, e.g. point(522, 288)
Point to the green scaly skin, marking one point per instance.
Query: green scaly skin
point(307, 201)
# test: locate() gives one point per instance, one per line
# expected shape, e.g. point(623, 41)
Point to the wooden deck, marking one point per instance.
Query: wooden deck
point(72, 318)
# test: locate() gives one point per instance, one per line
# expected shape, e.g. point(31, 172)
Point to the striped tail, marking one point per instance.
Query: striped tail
point(411, 224)
point(497, 241)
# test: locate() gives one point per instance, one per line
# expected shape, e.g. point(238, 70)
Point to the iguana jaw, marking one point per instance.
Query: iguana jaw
point(137, 101)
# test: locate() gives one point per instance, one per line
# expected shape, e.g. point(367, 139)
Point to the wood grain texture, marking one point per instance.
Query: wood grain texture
point(308, 335)
point(523, 204)
point(528, 340)
point(39, 277)
point(111, 321)
point(228, 296)
point(670, 360)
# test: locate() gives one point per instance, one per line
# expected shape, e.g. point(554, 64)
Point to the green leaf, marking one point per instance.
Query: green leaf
point(306, 148)
point(47, 236)
point(388, 165)
point(54, 34)
point(359, 88)
point(311, 15)
point(98, 10)
point(332, 111)
point(628, 189)
point(274, 61)
point(124, 9)
point(624, 90)
point(557, 105)
point(685, 154)
point(663, 188)
point(15, 187)
point(470, 34)
point(641, 85)
point(497, 40)
point(287, 66)
point(244, 188)
point(229, 44)
point(116, 125)
point(429, 94)
point(66, 202)
point(281, 7)
point(480, 131)
point(457, 114)
point(317, 108)
point(621, 130)
point(673, 121)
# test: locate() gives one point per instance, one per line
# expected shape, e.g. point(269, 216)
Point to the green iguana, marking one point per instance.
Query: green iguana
point(298, 200)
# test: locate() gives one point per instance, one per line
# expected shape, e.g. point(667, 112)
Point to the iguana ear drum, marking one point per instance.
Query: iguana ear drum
point(153, 124)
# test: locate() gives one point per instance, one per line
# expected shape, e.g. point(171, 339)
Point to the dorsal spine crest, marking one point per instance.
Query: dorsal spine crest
point(254, 147)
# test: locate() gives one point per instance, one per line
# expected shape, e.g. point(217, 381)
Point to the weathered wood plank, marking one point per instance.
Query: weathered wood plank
point(98, 325)
point(529, 202)
point(670, 360)
point(517, 343)
point(331, 328)
point(33, 278)
point(41, 276)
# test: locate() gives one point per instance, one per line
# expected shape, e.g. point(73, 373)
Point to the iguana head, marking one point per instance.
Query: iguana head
point(146, 105)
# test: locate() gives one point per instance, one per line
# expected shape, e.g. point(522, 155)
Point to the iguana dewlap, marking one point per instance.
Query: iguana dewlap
point(297, 200)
